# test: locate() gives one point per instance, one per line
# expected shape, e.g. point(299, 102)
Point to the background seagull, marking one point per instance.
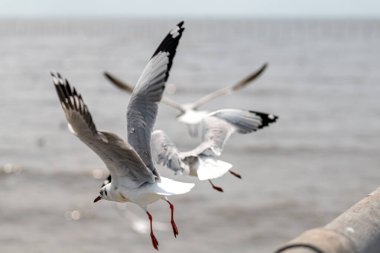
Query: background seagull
point(202, 161)
point(134, 177)
point(188, 112)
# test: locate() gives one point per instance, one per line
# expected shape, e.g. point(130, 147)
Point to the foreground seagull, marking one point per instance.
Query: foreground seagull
point(188, 112)
point(134, 177)
point(202, 161)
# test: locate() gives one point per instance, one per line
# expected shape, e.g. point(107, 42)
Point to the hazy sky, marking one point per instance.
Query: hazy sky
point(190, 8)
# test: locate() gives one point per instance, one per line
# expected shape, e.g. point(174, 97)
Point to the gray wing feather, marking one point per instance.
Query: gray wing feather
point(215, 132)
point(218, 126)
point(129, 89)
point(227, 90)
point(118, 83)
point(245, 121)
point(142, 107)
point(120, 158)
point(165, 152)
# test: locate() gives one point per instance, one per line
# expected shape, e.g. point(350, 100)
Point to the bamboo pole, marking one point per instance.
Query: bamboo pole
point(357, 230)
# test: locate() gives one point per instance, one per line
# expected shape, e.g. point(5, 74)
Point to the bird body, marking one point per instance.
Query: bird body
point(206, 168)
point(133, 176)
point(203, 161)
point(146, 193)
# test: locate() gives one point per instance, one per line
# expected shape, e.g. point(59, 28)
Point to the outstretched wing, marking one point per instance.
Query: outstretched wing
point(164, 152)
point(129, 88)
point(118, 83)
point(227, 90)
point(142, 107)
point(120, 159)
point(218, 126)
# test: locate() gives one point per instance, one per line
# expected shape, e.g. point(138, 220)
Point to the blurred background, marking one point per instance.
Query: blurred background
point(301, 172)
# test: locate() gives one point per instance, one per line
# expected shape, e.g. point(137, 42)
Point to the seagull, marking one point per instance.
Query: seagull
point(134, 177)
point(202, 161)
point(137, 224)
point(189, 113)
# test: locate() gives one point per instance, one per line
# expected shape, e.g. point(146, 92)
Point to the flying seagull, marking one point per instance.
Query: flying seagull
point(189, 113)
point(202, 161)
point(134, 177)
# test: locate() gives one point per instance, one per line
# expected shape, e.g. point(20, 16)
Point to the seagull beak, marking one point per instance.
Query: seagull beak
point(97, 199)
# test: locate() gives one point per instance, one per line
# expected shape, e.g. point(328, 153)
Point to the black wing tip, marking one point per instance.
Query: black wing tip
point(109, 76)
point(169, 45)
point(179, 28)
point(180, 24)
point(57, 78)
point(170, 42)
point(64, 89)
point(106, 74)
point(71, 99)
point(259, 72)
point(264, 67)
point(267, 118)
point(53, 75)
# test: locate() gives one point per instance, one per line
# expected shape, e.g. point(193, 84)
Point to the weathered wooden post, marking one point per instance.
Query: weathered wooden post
point(357, 230)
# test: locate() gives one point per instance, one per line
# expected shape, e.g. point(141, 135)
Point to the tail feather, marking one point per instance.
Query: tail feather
point(167, 187)
point(210, 168)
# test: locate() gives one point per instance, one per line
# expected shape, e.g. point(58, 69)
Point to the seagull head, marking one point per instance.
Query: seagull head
point(104, 193)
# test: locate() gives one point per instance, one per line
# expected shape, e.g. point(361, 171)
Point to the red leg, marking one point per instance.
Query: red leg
point(216, 187)
point(235, 174)
point(174, 226)
point(154, 239)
